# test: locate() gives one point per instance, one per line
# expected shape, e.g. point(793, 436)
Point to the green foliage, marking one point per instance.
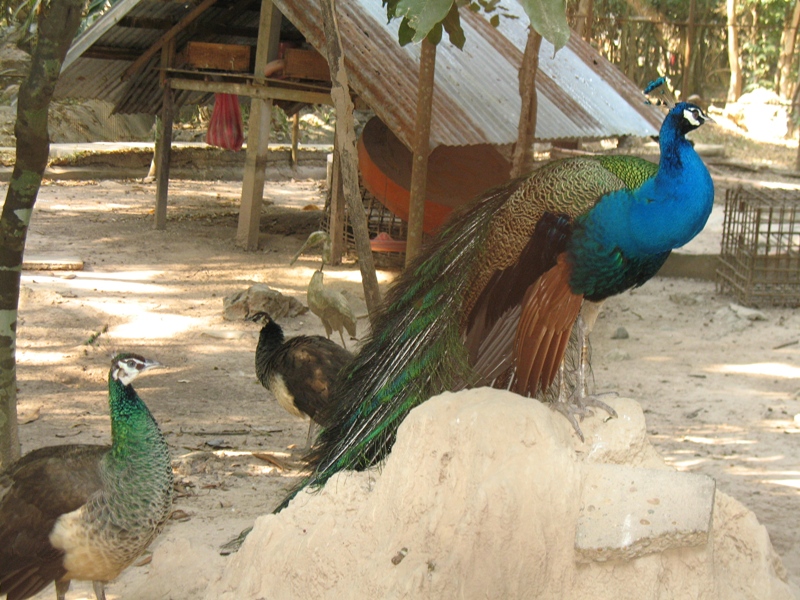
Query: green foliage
point(427, 18)
point(549, 18)
point(761, 24)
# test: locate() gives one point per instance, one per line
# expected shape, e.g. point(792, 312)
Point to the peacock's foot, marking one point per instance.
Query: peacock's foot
point(578, 406)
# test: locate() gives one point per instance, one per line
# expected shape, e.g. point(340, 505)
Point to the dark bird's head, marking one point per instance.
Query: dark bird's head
point(125, 367)
point(686, 117)
point(259, 317)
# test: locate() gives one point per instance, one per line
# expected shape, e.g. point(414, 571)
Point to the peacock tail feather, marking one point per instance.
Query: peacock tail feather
point(492, 299)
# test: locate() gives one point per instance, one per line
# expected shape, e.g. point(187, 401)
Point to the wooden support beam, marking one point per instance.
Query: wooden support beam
point(110, 53)
point(187, 20)
point(165, 24)
point(252, 90)
point(164, 145)
point(336, 223)
point(295, 137)
point(422, 149)
point(346, 137)
point(258, 132)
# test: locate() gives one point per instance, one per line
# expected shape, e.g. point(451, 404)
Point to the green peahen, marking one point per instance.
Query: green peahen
point(492, 300)
point(299, 371)
point(86, 512)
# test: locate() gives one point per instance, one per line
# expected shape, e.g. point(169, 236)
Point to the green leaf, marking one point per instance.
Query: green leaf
point(452, 25)
point(549, 18)
point(435, 35)
point(406, 33)
point(423, 15)
point(391, 9)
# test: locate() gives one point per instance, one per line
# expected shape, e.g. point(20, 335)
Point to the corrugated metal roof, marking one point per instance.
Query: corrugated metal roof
point(476, 100)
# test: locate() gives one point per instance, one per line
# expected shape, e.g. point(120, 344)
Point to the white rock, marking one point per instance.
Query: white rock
point(480, 498)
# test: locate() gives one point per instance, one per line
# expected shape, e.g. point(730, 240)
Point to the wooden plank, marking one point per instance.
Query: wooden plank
point(224, 57)
point(140, 62)
point(97, 30)
point(305, 64)
point(52, 263)
point(110, 53)
point(251, 90)
point(258, 132)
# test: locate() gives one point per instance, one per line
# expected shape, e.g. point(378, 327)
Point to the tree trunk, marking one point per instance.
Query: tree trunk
point(735, 88)
point(584, 19)
point(783, 77)
point(422, 149)
point(688, 51)
point(346, 139)
point(522, 160)
point(58, 23)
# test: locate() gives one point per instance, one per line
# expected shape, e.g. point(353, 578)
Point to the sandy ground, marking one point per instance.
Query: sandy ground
point(720, 391)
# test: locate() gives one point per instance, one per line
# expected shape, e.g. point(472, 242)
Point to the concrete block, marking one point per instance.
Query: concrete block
point(628, 512)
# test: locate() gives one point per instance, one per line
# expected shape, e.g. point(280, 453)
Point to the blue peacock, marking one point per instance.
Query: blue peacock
point(493, 299)
point(85, 511)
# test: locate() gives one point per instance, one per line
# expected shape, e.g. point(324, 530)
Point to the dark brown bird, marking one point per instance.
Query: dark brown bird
point(86, 512)
point(299, 371)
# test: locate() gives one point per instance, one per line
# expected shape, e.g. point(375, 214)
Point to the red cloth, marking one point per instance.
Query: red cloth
point(225, 129)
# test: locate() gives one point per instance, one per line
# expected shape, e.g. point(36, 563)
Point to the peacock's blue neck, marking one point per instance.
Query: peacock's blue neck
point(665, 212)
point(671, 208)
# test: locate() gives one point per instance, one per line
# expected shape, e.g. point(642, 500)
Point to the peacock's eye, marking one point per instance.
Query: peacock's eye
point(693, 116)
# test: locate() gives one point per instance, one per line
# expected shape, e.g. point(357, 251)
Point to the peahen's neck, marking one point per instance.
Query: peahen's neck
point(137, 445)
point(269, 340)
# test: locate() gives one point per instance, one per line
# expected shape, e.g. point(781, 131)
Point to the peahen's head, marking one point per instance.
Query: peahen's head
point(125, 367)
point(259, 317)
point(685, 117)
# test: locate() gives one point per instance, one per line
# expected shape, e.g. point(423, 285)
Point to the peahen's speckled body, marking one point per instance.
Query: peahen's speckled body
point(86, 512)
point(495, 295)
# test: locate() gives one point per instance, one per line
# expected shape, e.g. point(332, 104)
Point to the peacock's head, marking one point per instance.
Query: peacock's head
point(259, 317)
point(686, 117)
point(125, 367)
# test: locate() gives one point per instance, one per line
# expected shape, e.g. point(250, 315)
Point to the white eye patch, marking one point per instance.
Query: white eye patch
point(691, 116)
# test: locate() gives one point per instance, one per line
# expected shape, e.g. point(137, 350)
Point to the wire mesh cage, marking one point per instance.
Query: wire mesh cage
point(760, 254)
point(379, 220)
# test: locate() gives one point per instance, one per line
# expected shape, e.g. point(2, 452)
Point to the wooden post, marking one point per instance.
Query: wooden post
point(337, 207)
point(421, 150)
point(164, 147)
point(295, 137)
point(258, 132)
point(346, 137)
point(522, 160)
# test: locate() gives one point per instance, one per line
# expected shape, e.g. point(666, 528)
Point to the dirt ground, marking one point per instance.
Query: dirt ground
point(721, 392)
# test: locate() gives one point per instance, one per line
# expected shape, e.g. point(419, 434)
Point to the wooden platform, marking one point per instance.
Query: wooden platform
point(52, 263)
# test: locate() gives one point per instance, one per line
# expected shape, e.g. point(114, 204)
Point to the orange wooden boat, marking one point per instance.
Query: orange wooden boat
point(456, 174)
